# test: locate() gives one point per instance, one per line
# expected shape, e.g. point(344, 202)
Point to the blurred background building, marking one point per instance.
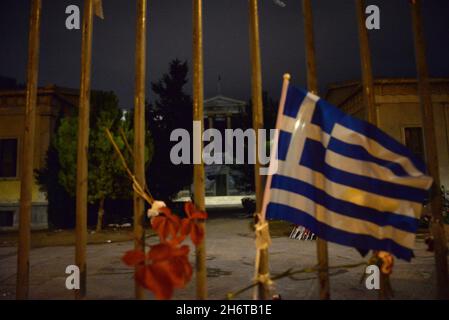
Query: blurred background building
point(399, 113)
point(51, 102)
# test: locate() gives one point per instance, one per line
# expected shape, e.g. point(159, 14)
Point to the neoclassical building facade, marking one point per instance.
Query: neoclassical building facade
point(222, 113)
point(399, 113)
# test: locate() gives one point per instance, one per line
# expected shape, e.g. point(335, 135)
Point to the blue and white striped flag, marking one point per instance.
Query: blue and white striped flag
point(344, 179)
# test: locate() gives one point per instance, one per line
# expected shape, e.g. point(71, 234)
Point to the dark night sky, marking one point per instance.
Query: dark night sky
point(225, 43)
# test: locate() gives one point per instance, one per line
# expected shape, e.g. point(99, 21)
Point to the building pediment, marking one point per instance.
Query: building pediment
point(223, 105)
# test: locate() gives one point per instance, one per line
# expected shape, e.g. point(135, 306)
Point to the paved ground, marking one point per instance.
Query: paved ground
point(230, 248)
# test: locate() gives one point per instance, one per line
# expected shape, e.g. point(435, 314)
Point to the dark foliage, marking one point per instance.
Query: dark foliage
point(171, 110)
point(61, 203)
point(7, 83)
point(61, 207)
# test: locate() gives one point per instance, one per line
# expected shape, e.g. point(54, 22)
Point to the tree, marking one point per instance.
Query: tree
point(61, 206)
point(106, 179)
point(171, 110)
point(7, 83)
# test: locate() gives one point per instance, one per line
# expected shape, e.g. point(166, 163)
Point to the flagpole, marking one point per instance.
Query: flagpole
point(27, 161)
point(198, 169)
point(256, 85)
point(139, 132)
point(262, 232)
point(312, 84)
point(437, 227)
point(274, 148)
point(365, 59)
point(82, 148)
point(368, 96)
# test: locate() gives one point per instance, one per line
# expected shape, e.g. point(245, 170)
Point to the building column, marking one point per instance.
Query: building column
point(211, 122)
point(228, 121)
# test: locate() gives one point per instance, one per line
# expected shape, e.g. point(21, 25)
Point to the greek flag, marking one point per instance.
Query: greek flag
point(344, 179)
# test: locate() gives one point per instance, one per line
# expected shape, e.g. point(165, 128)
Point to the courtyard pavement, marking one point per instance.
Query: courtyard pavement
point(230, 260)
